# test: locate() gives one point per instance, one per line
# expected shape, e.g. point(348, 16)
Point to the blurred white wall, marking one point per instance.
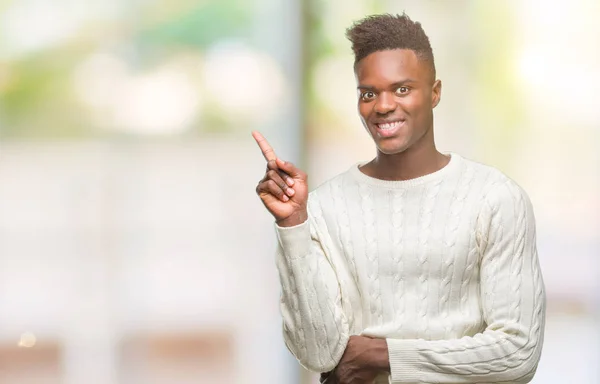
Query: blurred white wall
point(104, 243)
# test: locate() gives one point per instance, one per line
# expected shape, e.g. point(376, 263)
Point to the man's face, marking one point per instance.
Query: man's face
point(397, 94)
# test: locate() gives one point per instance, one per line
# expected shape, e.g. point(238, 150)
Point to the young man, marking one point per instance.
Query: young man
point(414, 267)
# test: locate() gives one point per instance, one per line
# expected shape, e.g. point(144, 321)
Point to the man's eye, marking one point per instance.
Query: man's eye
point(402, 90)
point(367, 95)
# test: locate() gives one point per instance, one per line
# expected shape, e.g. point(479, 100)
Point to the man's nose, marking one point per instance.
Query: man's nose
point(385, 103)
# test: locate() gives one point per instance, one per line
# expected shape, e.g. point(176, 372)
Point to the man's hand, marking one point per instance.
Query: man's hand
point(284, 188)
point(363, 359)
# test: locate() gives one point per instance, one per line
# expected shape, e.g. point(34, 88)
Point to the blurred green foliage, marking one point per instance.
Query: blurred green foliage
point(498, 98)
point(37, 101)
point(37, 98)
point(199, 26)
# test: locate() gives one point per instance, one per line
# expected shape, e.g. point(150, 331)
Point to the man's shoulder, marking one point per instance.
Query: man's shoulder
point(332, 187)
point(491, 175)
point(326, 198)
point(497, 185)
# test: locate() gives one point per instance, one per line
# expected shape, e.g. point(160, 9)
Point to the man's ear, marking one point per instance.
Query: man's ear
point(436, 93)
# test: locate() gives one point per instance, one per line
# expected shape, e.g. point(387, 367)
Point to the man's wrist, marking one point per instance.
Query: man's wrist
point(381, 358)
point(293, 220)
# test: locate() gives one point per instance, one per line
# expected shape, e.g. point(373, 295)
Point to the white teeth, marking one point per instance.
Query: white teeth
point(389, 125)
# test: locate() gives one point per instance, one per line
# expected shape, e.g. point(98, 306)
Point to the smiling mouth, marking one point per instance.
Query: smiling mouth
point(389, 126)
point(389, 129)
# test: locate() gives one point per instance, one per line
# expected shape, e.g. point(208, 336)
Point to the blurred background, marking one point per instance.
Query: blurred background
point(133, 248)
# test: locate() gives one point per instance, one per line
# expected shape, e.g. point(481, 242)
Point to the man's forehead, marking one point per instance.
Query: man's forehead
point(391, 66)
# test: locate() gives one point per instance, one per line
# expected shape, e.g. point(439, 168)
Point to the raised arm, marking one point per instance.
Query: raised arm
point(314, 326)
point(513, 302)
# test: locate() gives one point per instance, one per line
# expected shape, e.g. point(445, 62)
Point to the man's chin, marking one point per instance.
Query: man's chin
point(391, 148)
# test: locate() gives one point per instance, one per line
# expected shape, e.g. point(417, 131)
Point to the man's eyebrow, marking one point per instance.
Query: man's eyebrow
point(396, 84)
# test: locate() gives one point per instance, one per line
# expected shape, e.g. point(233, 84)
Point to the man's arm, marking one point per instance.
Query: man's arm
point(315, 327)
point(513, 303)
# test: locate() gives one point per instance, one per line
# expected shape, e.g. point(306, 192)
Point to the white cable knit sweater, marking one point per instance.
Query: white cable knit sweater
point(444, 267)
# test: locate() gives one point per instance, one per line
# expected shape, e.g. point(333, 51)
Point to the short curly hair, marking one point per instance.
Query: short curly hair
point(386, 31)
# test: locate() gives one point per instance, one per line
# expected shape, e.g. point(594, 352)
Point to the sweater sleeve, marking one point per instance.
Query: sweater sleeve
point(315, 328)
point(512, 301)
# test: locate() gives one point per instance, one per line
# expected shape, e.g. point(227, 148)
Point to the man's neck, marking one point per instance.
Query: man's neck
point(406, 165)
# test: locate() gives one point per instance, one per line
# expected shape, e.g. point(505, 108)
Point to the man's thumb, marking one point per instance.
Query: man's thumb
point(289, 168)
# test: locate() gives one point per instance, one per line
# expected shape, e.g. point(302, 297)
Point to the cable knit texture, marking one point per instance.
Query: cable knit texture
point(444, 267)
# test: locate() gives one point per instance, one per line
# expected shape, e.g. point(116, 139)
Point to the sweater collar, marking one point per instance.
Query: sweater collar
point(440, 174)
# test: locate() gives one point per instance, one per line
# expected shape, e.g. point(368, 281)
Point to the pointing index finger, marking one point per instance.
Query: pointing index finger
point(266, 149)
